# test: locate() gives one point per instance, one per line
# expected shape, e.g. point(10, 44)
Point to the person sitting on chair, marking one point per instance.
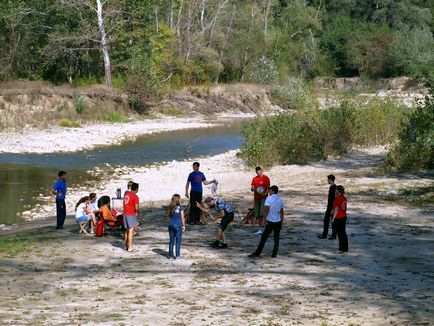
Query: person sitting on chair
point(83, 214)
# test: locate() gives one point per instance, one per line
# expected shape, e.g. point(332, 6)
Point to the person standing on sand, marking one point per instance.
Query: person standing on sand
point(227, 216)
point(59, 189)
point(130, 212)
point(259, 187)
point(328, 213)
point(195, 178)
point(274, 215)
point(340, 218)
point(176, 226)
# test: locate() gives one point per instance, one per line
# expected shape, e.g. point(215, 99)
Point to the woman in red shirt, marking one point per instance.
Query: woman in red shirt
point(340, 218)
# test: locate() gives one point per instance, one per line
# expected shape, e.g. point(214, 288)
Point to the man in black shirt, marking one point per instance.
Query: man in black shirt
point(331, 198)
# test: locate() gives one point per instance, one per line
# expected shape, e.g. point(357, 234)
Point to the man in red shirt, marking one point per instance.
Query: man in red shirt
point(340, 218)
point(131, 210)
point(259, 187)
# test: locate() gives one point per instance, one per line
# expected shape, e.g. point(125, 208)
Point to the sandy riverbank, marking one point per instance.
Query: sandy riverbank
point(60, 139)
point(385, 279)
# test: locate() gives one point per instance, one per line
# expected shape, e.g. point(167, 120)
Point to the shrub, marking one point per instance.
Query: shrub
point(295, 94)
point(415, 148)
point(79, 104)
point(116, 117)
point(69, 124)
point(312, 134)
point(172, 111)
point(264, 71)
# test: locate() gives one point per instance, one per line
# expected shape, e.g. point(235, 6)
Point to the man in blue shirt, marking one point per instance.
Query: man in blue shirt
point(59, 189)
point(195, 178)
point(274, 215)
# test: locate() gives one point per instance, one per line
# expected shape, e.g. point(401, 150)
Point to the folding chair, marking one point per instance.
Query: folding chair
point(83, 226)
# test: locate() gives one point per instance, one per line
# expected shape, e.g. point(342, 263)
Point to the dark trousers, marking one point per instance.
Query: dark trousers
point(175, 236)
point(270, 227)
point(61, 212)
point(340, 225)
point(194, 210)
point(327, 217)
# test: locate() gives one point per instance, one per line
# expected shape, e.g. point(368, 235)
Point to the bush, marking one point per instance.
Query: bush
point(264, 71)
point(116, 117)
point(415, 148)
point(295, 94)
point(313, 134)
point(172, 111)
point(79, 104)
point(69, 123)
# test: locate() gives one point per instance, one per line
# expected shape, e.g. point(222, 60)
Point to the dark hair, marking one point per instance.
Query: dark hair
point(92, 195)
point(134, 186)
point(61, 174)
point(103, 200)
point(258, 168)
point(82, 200)
point(275, 189)
point(331, 177)
point(340, 189)
point(196, 163)
point(129, 184)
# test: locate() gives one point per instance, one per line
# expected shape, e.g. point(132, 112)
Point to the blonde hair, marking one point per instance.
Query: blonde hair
point(176, 201)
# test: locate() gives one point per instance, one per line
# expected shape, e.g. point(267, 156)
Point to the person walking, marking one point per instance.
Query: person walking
point(274, 215)
point(259, 187)
point(195, 178)
point(328, 213)
point(59, 190)
point(130, 212)
point(340, 218)
point(227, 216)
point(176, 226)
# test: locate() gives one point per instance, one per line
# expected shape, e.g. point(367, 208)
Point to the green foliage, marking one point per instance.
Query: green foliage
point(294, 94)
point(172, 111)
point(116, 117)
point(415, 148)
point(79, 104)
point(69, 123)
point(264, 71)
point(313, 134)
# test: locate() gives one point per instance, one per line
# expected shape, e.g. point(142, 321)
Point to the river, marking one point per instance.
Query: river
point(23, 177)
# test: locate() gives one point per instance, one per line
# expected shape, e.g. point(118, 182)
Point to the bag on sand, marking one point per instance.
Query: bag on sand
point(99, 227)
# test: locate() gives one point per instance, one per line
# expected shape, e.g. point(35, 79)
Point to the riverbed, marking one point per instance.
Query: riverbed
point(25, 179)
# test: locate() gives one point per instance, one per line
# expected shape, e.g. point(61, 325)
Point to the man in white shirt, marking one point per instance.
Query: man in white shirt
point(274, 215)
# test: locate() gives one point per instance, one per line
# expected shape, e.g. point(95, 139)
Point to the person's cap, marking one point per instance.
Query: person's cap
point(208, 200)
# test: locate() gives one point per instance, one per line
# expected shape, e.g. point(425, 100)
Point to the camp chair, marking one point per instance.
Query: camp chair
point(249, 218)
point(83, 226)
point(113, 227)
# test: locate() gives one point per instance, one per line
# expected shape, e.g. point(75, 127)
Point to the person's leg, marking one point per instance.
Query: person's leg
point(261, 213)
point(264, 237)
point(194, 210)
point(344, 235)
point(339, 230)
point(256, 210)
point(178, 241)
point(130, 238)
point(171, 240)
point(326, 224)
point(63, 213)
point(276, 234)
point(334, 232)
point(58, 213)
point(126, 239)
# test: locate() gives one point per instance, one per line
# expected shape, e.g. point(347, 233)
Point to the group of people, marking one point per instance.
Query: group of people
point(268, 211)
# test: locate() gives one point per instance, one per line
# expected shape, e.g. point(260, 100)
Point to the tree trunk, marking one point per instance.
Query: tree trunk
point(202, 16)
point(104, 45)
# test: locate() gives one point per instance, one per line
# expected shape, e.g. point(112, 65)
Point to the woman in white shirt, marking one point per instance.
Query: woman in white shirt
point(83, 214)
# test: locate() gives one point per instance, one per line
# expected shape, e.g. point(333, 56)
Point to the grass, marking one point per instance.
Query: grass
point(69, 123)
point(172, 111)
point(13, 245)
point(116, 117)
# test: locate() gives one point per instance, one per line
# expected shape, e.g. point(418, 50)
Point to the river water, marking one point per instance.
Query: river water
point(23, 177)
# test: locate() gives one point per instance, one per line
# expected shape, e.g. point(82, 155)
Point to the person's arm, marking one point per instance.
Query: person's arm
point(203, 209)
point(282, 214)
point(54, 189)
point(208, 182)
point(183, 220)
point(186, 188)
point(266, 211)
point(335, 213)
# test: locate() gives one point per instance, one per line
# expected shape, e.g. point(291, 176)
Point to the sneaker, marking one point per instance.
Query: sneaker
point(253, 255)
point(321, 237)
point(273, 256)
point(332, 238)
point(178, 258)
point(171, 258)
point(224, 246)
point(133, 250)
point(215, 244)
point(260, 231)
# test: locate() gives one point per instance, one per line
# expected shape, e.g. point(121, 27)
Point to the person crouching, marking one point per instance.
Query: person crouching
point(227, 216)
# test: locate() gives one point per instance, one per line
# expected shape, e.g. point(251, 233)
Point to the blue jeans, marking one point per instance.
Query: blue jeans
point(175, 234)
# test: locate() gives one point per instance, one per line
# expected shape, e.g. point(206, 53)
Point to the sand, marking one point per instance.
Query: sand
point(386, 278)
